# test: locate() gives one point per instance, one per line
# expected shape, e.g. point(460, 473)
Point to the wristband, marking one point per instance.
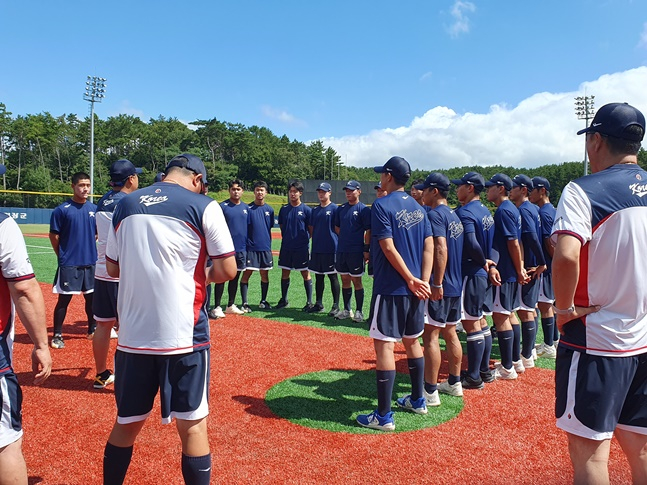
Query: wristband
point(567, 311)
point(436, 286)
point(367, 248)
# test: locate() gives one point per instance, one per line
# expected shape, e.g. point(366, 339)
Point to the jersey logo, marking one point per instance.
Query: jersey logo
point(149, 200)
point(91, 213)
point(244, 211)
point(66, 206)
point(408, 219)
point(405, 197)
point(267, 213)
point(300, 213)
point(639, 190)
point(455, 229)
point(108, 202)
point(157, 191)
point(355, 213)
point(328, 213)
point(488, 222)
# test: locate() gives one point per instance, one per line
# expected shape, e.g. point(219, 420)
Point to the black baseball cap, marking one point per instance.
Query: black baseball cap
point(539, 182)
point(614, 118)
point(121, 170)
point(378, 185)
point(522, 180)
point(500, 179)
point(190, 162)
point(434, 180)
point(471, 178)
point(159, 177)
point(396, 166)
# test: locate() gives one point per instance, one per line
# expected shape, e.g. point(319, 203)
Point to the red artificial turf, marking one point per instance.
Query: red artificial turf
point(505, 434)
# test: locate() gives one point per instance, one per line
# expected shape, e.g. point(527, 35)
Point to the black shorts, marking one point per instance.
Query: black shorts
point(529, 294)
point(350, 263)
point(595, 394)
point(546, 293)
point(322, 263)
point(259, 260)
point(395, 317)
point(11, 415)
point(446, 311)
point(241, 260)
point(474, 295)
point(488, 304)
point(74, 280)
point(182, 379)
point(104, 300)
point(506, 298)
point(295, 259)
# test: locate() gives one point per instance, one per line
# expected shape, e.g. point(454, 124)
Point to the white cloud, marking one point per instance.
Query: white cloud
point(281, 115)
point(461, 23)
point(426, 76)
point(642, 43)
point(126, 109)
point(538, 131)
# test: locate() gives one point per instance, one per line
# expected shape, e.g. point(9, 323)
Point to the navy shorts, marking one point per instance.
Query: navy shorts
point(11, 405)
point(446, 311)
point(474, 293)
point(74, 280)
point(546, 293)
point(259, 260)
point(595, 394)
point(395, 317)
point(506, 298)
point(350, 263)
point(182, 379)
point(104, 301)
point(529, 294)
point(294, 259)
point(322, 263)
point(488, 304)
point(241, 260)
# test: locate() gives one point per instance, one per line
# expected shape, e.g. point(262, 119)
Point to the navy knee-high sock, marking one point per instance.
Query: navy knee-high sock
point(487, 350)
point(528, 340)
point(265, 286)
point(196, 470)
point(217, 294)
point(307, 284)
point(244, 288)
point(385, 382)
point(417, 375)
point(548, 326)
point(516, 342)
point(320, 281)
point(116, 461)
point(506, 340)
point(334, 288)
point(475, 348)
point(359, 300)
point(232, 289)
point(346, 294)
point(285, 284)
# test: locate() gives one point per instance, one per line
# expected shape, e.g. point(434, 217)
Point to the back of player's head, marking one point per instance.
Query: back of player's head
point(541, 183)
point(79, 176)
point(474, 179)
point(621, 125)
point(398, 167)
point(297, 185)
point(262, 184)
point(189, 162)
point(236, 182)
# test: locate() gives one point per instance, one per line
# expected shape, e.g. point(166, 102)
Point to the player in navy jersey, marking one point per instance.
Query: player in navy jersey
point(478, 230)
point(417, 193)
point(402, 253)
point(160, 240)
point(379, 191)
point(324, 247)
point(353, 225)
point(237, 217)
point(506, 275)
point(540, 196)
point(294, 220)
point(19, 292)
point(72, 233)
point(124, 179)
point(444, 306)
point(259, 244)
point(534, 264)
point(601, 300)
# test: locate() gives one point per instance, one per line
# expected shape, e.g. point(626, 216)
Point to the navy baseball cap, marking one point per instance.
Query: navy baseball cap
point(159, 177)
point(325, 186)
point(121, 170)
point(539, 182)
point(500, 179)
point(353, 185)
point(434, 180)
point(614, 118)
point(396, 166)
point(471, 178)
point(190, 162)
point(3, 169)
point(522, 180)
point(378, 185)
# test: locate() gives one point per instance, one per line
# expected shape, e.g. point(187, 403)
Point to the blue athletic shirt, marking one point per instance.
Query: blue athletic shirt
point(397, 216)
point(530, 224)
point(547, 216)
point(105, 209)
point(477, 219)
point(445, 223)
point(259, 233)
point(352, 221)
point(237, 217)
point(294, 222)
point(324, 237)
point(76, 227)
point(507, 227)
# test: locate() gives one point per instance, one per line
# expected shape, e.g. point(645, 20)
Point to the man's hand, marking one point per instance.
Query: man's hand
point(436, 293)
point(495, 276)
point(41, 364)
point(523, 278)
point(419, 288)
point(536, 271)
point(579, 311)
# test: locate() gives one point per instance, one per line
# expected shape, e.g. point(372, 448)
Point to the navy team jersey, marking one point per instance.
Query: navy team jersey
point(294, 222)
point(324, 237)
point(237, 217)
point(76, 227)
point(547, 216)
point(397, 216)
point(103, 216)
point(477, 219)
point(14, 267)
point(352, 221)
point(530, 224)
point(445, 223)
point(507, 227)
point(261, 222)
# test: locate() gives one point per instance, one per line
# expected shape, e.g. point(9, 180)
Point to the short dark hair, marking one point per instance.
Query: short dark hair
point(297, 185)
point(403, 181)
point(443, 193)
point(236, 182)
point(263, 184)
point(79, 176)
point(417, 182)
point(620, 146)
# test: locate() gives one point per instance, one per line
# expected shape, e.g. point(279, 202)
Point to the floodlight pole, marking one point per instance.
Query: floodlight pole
point(584, 111)
point(95, 91)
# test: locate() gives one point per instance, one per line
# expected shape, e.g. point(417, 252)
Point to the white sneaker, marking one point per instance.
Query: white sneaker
point(452, 389)
point(432, 399)
point(234, 310)
point(527, 363)
point(546, 351)
point(113, 333)
point(358, 317)
point(216, 313)
point(518, 366)
point(342, 315)
point(534, 354)
point(501, 372)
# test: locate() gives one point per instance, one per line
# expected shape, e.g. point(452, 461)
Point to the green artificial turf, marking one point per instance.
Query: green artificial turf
point(332, 399)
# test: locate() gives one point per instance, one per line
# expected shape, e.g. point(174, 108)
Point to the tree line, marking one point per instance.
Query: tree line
point(42, 151)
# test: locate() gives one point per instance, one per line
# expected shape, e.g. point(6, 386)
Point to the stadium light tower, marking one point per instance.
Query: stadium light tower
point(95, 91)
point(585, 111)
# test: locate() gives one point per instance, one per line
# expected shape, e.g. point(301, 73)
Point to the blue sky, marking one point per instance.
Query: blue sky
point(441, 82)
